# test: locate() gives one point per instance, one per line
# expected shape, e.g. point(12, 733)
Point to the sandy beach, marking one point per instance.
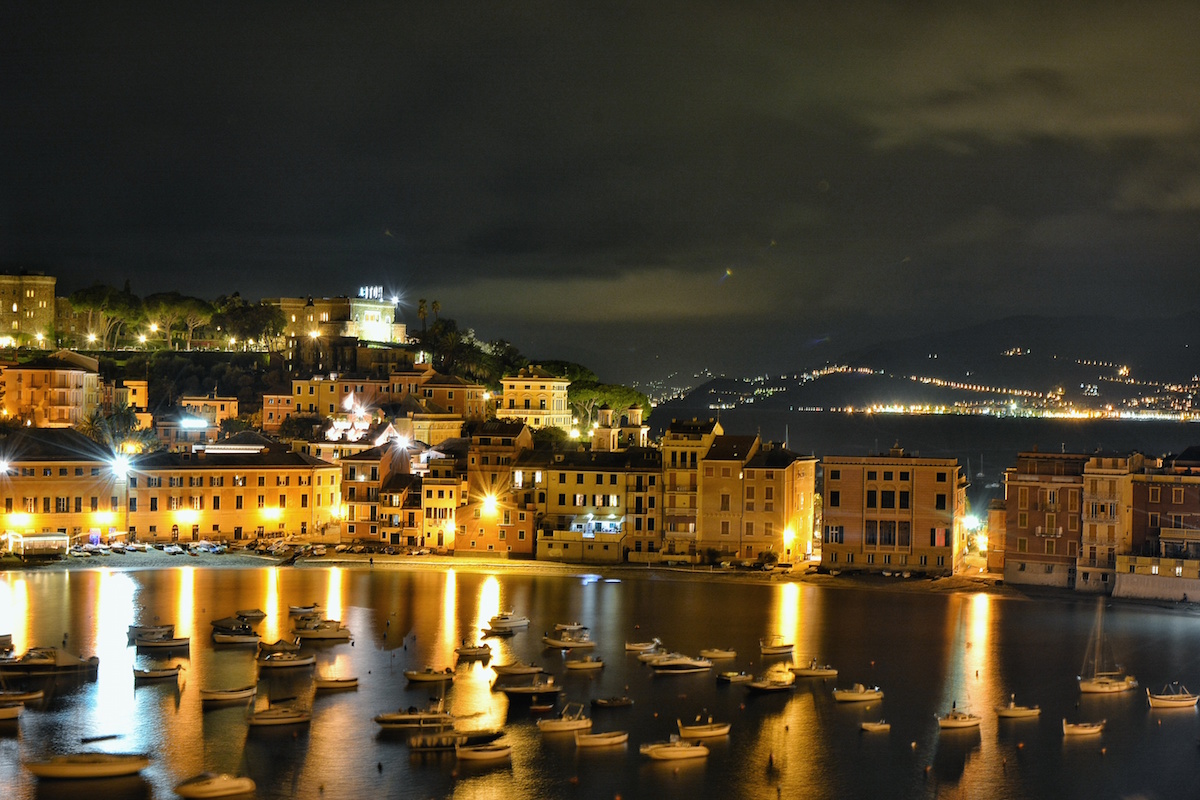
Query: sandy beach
point(804, 572)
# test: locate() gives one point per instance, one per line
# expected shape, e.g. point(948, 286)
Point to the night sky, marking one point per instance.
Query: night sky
point(642, 187)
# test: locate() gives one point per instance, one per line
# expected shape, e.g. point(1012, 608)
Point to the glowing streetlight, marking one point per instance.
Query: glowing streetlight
point(142, 339)
point(91, 338)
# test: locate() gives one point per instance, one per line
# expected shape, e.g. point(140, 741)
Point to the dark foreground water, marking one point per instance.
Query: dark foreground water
point(926, 651)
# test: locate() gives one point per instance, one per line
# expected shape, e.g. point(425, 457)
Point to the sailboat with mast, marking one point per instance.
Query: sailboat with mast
point(1101, 674)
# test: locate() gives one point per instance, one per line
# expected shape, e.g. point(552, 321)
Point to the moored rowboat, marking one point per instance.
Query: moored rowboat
point(89, 765)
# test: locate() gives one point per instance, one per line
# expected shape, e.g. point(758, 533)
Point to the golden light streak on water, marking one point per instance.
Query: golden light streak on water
point(489, 602)
point(270, 632)
point(114, 710)
point(445, 643)
point(185, 601)
point(14, 611)
point(333, 594)
point(787, 613)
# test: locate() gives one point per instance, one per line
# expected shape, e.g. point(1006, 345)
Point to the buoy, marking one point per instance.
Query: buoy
point(379, 766)
point(914, 745)
point(574, 780)
point(1020, 745)
point(1103, 751)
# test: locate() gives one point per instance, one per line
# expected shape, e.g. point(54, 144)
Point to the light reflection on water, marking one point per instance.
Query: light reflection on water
point(926, 651)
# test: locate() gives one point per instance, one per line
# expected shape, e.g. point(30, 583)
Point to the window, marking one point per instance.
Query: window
point(1022, 545)
point(724, 502)
point(903, 475)
point(887, 475)
point(1152, 519)
point(1177, 496)
point(872, 475)
point(871, 532)
point(887, 499)
point(941, 477)
point(1155, 494)
point(835, 474)
point(940, 502)
point(749, 528)
point(904, 500)
point(872, 502)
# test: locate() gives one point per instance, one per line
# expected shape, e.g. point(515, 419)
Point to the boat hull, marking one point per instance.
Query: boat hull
point(607, 739)
point(207, 785)
point(89, 765)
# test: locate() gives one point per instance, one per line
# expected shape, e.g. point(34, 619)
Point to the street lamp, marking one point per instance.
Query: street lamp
point(120, 470)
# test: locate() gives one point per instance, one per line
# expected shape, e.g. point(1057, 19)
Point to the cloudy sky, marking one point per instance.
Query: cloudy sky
point(643, 187)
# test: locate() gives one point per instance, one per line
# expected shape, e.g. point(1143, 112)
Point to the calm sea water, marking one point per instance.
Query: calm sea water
point(927, 651)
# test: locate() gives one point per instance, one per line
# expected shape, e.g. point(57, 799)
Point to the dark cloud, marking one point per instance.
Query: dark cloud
point(736, 176)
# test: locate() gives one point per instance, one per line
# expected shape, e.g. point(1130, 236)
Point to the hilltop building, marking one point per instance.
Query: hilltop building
point(27, 309)
point(535, 397)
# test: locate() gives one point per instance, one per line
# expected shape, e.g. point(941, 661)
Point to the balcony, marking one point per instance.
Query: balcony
point(1096, 563)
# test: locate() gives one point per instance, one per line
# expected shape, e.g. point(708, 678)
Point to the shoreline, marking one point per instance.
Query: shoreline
point(973, 582)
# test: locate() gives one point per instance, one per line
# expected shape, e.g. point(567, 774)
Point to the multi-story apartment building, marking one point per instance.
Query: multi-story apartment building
point(598, 507)
point(27, 310)
point(1164, 557)
point(492, 520)
point(212, 408)
point(778, 506)
point(58, 480)
point(57, 391)
point(721, 526)
point(683, 446)
point(536, 398)
point(1106, 524)
point(443, 493)
point(893, 512)
point(1043, 521)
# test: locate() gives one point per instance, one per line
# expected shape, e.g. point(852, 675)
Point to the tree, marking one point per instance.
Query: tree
point(119, 431)
point(165, 309)
point(107, 310)
point(421, 315)
point(197, 313)
point(586, 397)
point(436, 307)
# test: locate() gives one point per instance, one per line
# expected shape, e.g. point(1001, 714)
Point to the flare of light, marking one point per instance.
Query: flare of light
point(333, 594)
point(185, 602)
point(788, 611)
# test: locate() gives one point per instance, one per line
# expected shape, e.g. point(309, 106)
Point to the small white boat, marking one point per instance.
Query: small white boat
point(223, 637)
point(573, 717)
point(1082, 728)
point(47, 661)
point(498, 632)
point(157, 673)
point(327, 629)
point(774, 646)
point(11, 709)
point(569, 626)
point(734, 677)
point(151, 631)
point(165, 643)
point(224, 695)
point(957, 720)
point(250, 613)
point(284, 660)
point(674, 750)
point(654, 654)
point(21, 696)
point(434, 715)
point(279, 646)
point(89, 765)
point(483, 752)
point(814, 670)
point(507, 619)
point(1107, 683)
point(324, 683)
point(279, 715)
point(584, 663)
point(210, 784)
point(1100, 674)
point(467, 651)
point(517, 668)
point(430, 675)
point(308, 609)
point(680, 665)
point(568, 641)
point(616, 701)
point(774, 681)
point(718, 652)
point(1173, 695)
point(641, 647)
point(703, 730)
point(540, 685)
point(1014, 711)
point(878, 726)
point(605, 739)
point(858, 694)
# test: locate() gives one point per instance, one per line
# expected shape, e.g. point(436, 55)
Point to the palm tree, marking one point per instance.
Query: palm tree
point(422, 314)
point(436, 308)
